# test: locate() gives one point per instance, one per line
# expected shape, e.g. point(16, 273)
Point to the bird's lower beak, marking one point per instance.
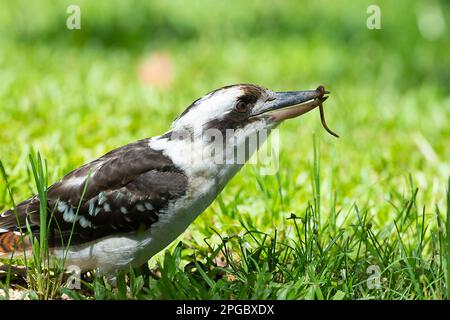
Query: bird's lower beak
point(291, 104)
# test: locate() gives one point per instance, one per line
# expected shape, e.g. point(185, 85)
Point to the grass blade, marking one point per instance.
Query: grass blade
point(448, 239)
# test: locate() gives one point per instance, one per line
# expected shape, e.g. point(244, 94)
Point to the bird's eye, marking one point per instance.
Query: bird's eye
point(241, 106)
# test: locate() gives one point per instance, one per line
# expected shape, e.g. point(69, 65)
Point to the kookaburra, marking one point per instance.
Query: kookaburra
point(124, 207)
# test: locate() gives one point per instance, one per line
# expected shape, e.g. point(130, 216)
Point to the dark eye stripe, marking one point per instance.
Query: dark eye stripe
point(248, 98)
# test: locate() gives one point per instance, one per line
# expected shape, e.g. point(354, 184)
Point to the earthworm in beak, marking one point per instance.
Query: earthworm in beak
point(322, 114)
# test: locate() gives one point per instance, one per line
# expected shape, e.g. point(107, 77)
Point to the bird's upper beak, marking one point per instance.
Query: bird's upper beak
point(285, 105)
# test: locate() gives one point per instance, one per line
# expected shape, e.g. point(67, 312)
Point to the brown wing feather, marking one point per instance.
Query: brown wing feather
point(127, 189)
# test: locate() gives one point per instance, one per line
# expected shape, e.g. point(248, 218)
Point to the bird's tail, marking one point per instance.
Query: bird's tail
point(13, 243)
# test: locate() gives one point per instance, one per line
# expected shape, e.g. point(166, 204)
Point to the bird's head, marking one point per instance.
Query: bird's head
point(246, 108)
point(234, 120)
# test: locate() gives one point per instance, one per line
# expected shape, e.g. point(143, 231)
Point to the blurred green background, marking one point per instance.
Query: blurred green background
point(133, 66)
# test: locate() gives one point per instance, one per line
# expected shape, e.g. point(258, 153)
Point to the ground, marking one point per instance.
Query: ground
point(358, 217)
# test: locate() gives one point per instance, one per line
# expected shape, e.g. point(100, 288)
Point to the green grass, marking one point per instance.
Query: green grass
point(377, 196)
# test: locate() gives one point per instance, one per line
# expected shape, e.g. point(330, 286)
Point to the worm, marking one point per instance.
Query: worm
point(322, 91)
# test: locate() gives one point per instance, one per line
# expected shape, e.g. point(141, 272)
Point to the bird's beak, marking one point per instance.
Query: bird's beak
point(285, 105)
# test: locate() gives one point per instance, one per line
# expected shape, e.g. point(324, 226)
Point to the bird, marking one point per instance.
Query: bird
point(121, 209)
